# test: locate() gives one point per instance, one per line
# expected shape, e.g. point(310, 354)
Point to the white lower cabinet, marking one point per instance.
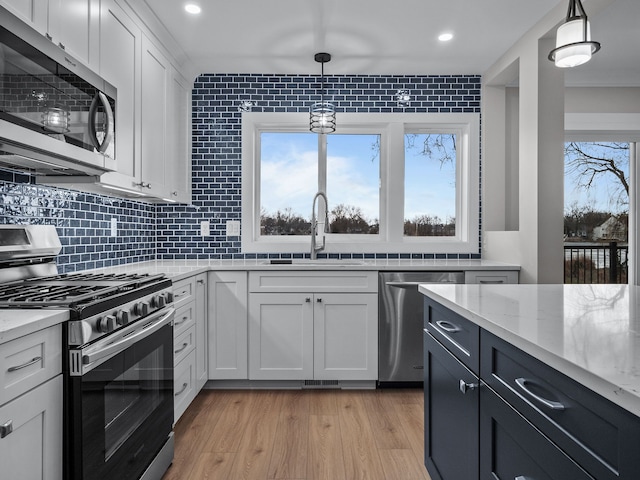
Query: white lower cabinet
point(314, 335)
point(31, 406)
point(190, 341)
point(227, 322)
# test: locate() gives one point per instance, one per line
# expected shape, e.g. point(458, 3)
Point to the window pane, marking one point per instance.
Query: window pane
point(596, 212)
point(430, 185)
point(288, 182)
point(353, 183)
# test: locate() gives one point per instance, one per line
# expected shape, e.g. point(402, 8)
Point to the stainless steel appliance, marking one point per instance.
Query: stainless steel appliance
point(56, 116)
point(400, 319)
point(118, 356)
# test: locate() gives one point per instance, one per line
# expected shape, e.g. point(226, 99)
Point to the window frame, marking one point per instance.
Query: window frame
point(392, 128)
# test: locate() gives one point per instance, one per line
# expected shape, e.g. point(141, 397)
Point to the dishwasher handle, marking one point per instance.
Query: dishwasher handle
point(415, 284)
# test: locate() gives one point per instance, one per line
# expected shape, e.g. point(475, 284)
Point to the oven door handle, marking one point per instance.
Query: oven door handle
point(147, 327)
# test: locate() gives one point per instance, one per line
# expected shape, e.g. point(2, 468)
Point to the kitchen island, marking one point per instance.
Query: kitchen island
point(547, 379)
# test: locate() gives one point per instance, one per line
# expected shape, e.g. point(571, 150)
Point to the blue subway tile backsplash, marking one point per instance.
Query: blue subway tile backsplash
point(147, 231)
point(217, 143)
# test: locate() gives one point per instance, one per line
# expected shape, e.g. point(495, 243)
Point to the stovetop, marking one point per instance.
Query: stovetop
point(71, 290)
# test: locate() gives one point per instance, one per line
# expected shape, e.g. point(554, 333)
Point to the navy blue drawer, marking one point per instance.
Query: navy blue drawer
point(460, 336)
point(600, 436)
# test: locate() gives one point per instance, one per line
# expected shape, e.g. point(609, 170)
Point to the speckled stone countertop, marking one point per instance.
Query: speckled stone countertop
point(590, 333)
point(17, 323)
point(179, 269)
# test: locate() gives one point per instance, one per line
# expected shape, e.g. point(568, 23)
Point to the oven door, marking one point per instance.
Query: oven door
point(120, 408)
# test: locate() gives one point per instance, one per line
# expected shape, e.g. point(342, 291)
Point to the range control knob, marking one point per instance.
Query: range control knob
point(106, 324)
point(141, 309)
point(158, 301)
point(122, 317)
point(169, 297)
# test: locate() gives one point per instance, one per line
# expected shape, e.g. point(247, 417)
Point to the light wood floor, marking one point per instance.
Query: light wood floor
point(301, 435)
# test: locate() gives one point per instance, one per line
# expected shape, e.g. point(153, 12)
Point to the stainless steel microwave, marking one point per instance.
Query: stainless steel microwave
point(57, 117)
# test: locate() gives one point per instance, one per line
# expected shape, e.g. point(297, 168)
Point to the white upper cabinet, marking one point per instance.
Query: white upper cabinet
point(178, 165)
point(32, 12)
point(120, 65)
point(74, 25)
point(156, 78)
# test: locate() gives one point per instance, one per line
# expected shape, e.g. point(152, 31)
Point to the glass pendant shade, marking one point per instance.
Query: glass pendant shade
point(322, 118)
point(573, 39)
point(322, 115)
point(56, 119)
point(571, 48)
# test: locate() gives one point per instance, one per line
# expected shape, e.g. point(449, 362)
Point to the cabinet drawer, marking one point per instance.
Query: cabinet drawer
point(28, 361)
point(460, 336)
point(184, 377)
point(185, 318)
point(184, 291)
point(597, 434)
point(491, 277)
point(511, 448)
point(183, 344)
point(33, 449)
point(317, 282)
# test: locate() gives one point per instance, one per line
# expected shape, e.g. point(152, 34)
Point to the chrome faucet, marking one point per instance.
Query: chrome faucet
point(314, 225)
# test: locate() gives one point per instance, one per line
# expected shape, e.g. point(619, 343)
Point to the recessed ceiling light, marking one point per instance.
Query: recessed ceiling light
point(445, 37)
point(192, 8)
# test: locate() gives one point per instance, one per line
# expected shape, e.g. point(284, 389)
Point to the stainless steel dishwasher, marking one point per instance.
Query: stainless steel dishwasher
point(400, 311)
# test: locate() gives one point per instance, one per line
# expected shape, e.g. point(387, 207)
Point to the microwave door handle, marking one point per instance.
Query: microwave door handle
point(93, 111)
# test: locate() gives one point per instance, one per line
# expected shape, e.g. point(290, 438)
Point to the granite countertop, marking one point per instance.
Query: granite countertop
point(18, 323)
point(590, 333)
point(179, 269)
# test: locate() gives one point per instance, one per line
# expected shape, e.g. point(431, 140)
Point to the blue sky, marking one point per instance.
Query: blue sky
point(600, 197)
point(289, 176)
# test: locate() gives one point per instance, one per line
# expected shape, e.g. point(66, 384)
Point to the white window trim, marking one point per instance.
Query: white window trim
point(392, 127)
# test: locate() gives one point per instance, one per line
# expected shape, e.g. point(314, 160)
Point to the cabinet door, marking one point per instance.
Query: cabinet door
point(201, 330)
point(510, 447)
point(74, 26)
point(120, 65)
point(155, 79)
point(178, 166)
point(228, 338)
point(280, 336)
point(451, 415)
point(32, 12)
point(345, 336)
point(33, 449)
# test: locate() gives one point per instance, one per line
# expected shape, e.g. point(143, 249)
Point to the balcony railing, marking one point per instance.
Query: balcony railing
point(595, 263)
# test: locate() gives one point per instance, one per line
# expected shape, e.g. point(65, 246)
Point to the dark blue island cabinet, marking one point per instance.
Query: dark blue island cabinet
point(493, 412)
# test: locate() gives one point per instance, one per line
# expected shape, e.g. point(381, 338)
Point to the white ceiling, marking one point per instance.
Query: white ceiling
point(386, 37)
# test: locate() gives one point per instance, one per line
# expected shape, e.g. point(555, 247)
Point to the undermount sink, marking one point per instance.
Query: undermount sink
point(319, 262)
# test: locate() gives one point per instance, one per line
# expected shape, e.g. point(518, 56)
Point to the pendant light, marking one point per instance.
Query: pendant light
point(573, 39)
point(322, 117)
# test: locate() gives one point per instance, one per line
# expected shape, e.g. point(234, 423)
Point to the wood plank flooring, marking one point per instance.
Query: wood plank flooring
point(301, 435)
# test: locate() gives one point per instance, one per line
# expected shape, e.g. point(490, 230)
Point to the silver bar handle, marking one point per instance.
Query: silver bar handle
point(93, 110)
point(147, 328)
point(184, 319)
point(522, 383)
point(24, 365)
point(184, 345)
point(491, 282)
point(448, 326)
point(184, 387)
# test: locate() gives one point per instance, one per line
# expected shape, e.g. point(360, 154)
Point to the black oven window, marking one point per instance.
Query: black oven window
point(131, 398)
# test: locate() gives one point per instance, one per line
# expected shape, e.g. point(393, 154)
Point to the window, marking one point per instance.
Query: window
point(395, 183)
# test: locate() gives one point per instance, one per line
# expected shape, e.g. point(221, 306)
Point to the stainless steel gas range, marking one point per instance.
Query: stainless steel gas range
point(117, 355)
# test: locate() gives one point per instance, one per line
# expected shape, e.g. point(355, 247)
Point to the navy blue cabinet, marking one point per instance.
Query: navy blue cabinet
point(451, 400)
point(493, 412)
